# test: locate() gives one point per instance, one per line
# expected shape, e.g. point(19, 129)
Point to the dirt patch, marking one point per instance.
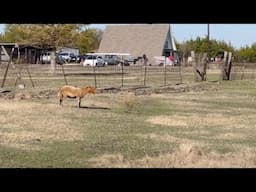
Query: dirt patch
point(211, 119)
point(110, 160)
point(28, 95)
point(169, 121)
point(137, 90)
point(230, 136)
point(190, 104)
point(166, 138)
point(178, 88)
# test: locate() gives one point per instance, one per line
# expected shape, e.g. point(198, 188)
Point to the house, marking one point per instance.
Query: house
point(28, 53)
point(138, 39)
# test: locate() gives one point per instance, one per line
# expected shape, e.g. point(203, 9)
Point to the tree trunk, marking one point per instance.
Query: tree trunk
point(53, 63)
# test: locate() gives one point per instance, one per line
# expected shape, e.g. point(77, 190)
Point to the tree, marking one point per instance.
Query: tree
point(54, 35)
point(202, 45)
point(1, 37)
point(247, 54)
point(45, 35)
point(88, 40)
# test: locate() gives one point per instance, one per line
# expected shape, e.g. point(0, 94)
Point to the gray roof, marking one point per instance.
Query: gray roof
point(135, 39)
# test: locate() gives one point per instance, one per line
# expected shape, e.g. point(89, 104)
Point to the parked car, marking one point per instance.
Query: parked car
point(80, 58)
point(130, 60)
point(46, 58)
point(59, 60)
point(94, 60)
point(69, 57)
point(112, 59)
point(73, 57)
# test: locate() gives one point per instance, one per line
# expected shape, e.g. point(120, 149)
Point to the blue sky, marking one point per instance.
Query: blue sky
point(237, 34)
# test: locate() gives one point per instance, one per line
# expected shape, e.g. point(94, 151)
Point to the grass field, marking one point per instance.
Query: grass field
point(209, 127)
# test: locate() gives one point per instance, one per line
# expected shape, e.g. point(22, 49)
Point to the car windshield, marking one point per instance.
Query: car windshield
point(91, 57)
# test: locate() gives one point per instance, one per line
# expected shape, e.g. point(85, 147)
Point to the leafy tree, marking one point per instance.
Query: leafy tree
point(45, 35)
point(88, 40)
point(247, 54)
point(54, 35)
point(202, 45)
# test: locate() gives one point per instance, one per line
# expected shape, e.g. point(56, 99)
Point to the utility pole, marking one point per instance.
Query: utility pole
point(208, 31)
point(208, 39)
point(207, 58)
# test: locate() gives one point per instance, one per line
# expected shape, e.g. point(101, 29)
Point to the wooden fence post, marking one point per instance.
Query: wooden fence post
point(95, 76)
point(6, 71)
point(194, 64)
point(122, 65)
point(227, 64)
point(200, 75)
point(224, 64)
point(204, 62)
point(165, 70)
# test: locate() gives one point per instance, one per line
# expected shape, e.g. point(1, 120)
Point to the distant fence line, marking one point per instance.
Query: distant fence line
point(120, 76)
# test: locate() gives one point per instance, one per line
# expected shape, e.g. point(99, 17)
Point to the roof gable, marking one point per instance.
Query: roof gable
point(135, 39)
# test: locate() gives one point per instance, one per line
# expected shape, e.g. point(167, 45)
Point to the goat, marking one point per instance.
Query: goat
point(75, 92)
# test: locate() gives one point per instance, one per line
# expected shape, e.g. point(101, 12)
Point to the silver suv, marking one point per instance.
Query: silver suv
point(94, 60)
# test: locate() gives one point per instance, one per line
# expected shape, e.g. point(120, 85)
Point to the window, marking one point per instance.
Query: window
point(166, 45)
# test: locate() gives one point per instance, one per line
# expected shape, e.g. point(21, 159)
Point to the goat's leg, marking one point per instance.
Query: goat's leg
point(61, 99)
point(79, 102)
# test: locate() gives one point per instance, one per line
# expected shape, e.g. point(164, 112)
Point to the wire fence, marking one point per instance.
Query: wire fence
point(39, 75)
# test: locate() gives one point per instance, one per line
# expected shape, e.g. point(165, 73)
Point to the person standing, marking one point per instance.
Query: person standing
point(145, 60)
point(171, 59)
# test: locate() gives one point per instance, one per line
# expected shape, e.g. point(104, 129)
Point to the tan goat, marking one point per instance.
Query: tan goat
point(75, 92)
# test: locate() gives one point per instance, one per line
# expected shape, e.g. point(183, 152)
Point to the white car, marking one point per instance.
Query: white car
point(94, 60)
point(46, 57)
point(65, 56)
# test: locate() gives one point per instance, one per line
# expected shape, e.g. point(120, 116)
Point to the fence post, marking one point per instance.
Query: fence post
point(122, 65)
point(229, 65)
point(194, 64)
point(64, 75)
point(95, 78)
point(145, 66)
point(242, 75)
point(224, 63)
point(165, 70)
point(205, 62)
point(180, 70)
point(6, 71)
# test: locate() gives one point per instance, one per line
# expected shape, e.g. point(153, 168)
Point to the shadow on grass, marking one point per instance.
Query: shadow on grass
point(92, 107)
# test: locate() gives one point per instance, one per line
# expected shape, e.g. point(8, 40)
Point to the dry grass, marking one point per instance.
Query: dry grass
point(48, 129)
point(187, 155)
point(165, 138)
point(186, 129)
point(190, 156)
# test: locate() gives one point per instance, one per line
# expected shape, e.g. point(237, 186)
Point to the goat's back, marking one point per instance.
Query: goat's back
point(70, 91)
